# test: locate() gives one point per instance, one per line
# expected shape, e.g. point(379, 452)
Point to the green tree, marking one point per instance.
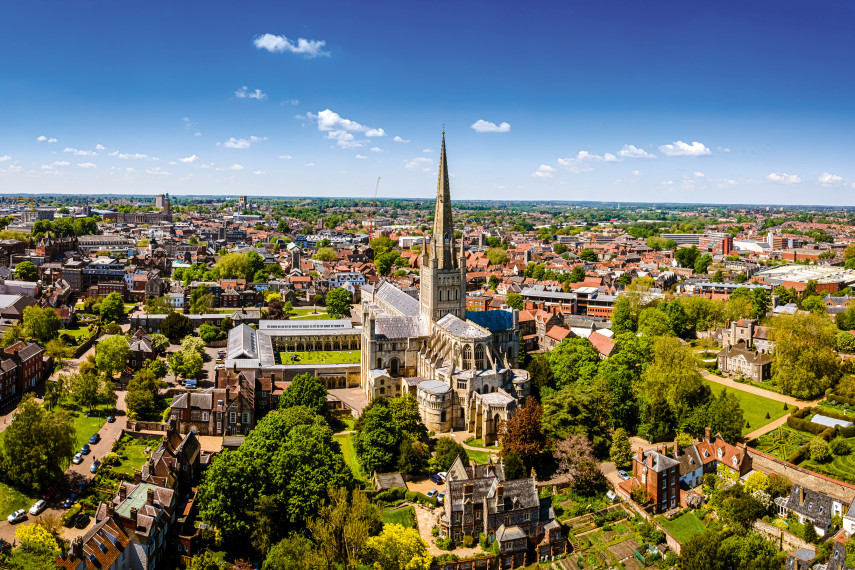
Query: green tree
point(687, 256)
point(515, 301)
point(207, 560)
point(673, 375)
point(760, 303)
point(233, 266)
point(408, 420)
point(378, 441)
point(622, 320)
point(446, 451)
point(385, 261)
point(142, 394)
point(398, 548)
point(36, 446)
point(574, 360)
point(305, 390)
point(343, 527)
point(40, 324)
point(653, 322)
point(819, 449)
point(26, 271)
point(726, 416)
point(111, 355)
point(293, 553)
point(176, 326)
point(202, 300)
point(588, 255)
point(804, 361)
point(327, 254)
point(514, 467)
point(254, 263)
point(84, 389)
point(112, 308)
point(338, 303)
point(577, 275)
point(158, 306)
point(621, 450)
point(497, 256)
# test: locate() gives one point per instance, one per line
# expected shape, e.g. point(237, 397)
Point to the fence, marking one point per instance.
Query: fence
point(136, 426)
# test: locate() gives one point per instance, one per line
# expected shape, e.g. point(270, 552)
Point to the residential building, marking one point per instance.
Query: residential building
point(809, 507)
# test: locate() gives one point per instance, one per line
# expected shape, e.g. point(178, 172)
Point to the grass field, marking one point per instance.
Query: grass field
point(134, 451)
point(320, 317)
point(840, 467)
point(12, 499)
point(480, 457)
point(345, 440)
point(754, 408)
point(87, 427)
point(322, 357)
point(683, 527)
point(76, 332)
point(405, 517)
point(480, 443)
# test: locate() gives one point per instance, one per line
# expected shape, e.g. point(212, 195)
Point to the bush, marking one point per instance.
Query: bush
point(392, 495)
point(66, 517)
point(468, 541)
point(445, 543)
point(111, 458)
point(819, 449)
point(840, 446)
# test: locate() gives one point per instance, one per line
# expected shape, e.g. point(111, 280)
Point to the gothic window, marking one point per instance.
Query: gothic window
point(379, 363)
point(467, 357)
point(479, 357)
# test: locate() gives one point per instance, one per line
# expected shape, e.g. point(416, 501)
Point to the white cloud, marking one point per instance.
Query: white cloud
point(341, 130)
point(581, 162)
point(482, 126)
point(157, 171)
point(420, 163)
point(126, 156)
point(189, 159)
point(427, 150)
point(722, 149)
point(43, 138)
point(236, 166)
point(60, 163)
point(309, 164)
point(632, 151)
point(79, 152)
point(100, 147)
point(699, 174)
point(5, 158)
point(258, 172)
point(376, 149)
point(12, 168)
point(241, 143)
point(245, 93)
point(285, 156)
point(636, 173)
point(47, 167)
point(361, 156)
point(292, 102)
point(280, 44)
point(668, 182)
point(86, 165)
point(400, 140)
point(784, 178)
point(544, 171)
point(680, 148)
point(827, 179)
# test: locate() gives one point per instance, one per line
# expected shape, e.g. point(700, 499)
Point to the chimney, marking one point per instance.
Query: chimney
point(122, 492)
point(76, 549)
point(676, 448)
point(110, 509)
point(801, 495)
point(149, 499)
point(641, 456)
point(500, 498)
point(708, 434)
point(137, 477)
point(134, 513)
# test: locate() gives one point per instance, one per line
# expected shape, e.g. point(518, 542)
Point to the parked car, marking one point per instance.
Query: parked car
point(49, 494)
point(111, 419)
point(432, 493)
point(436, 479)
point(623, 475)
point(220, 361)
point(190, 383)
point(95, 465)
point(441, 497)
point(442, 475)
point(81, 520)
point(95, 439)
point(17, 516)
point(38, 507)
point(85, 449)
point(78, 458)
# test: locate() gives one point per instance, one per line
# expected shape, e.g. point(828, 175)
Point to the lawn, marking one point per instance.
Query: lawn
point(319, 317)
point(77, 332)
point(405, 517)
point(12, 499)
point(480, 443)
point(782, 442)
point(840, 467)
point(683, 527)
point(133, 455)
point(345, 440)
point(480, 457)
point(86, 427)
point(322, 357)
point(754, 408)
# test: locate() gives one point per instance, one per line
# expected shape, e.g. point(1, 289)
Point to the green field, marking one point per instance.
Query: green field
point(133, 455)
point(76, 332)
point(841, 467)
point(480, 443)
point(345, 440)
point(683, 527)
point(87, 427)
point(322, 357)
point(480, 457)
point(754, 408)
point(319, 317)
point(12, 499)
point(405, 517)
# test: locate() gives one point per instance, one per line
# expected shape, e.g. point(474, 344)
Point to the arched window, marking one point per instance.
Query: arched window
point(393, 367)
point(379, 363)
point(467, 357)
point(479, 357)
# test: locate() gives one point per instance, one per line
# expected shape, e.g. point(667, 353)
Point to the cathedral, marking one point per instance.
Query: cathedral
point(459, 365)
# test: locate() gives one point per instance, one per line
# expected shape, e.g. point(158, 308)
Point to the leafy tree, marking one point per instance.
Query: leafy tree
point(819, 449)
point(208, 332)
point(845, 342)
point(233, 266)
point(40, 324)
point(810, 534)
point(514, 467)
point(718, 276)
point(158, 306)
point(577, 275)
point(381, 245)
point(111, 355)
point(202, 300)
point(35, 535)
point(176, 326)
point(207, 560)
point(673, 375)
point(190, 364)
point(327, 254)
point(338, 303)
point(540, 372)
point(36, 446)
point(378, 442)
point(577, 462)
point(760, 303)
point(687, 256)
point(13, 335)
point(522, 434)
point(588, 255)
point(677, 318)
point(515, 301)
point(413, 457)
point(622, 373)
point(653, 322)
point(621, 450)
point(446, 451)
point(290, 456)
point(112, 308)
point(622, 320)
point(757, 481)
point(343, 527)
point(574, 360)
point(293, 553)
point(726, 417)
point(254, 263)
point(398, 548)
point(804, 361)
point(26, 271)
point(141, 397)
point(497, 256)
point(559, 248)
point(385, 261)
point(305, 390)
point(408, 420)
point(159, 342)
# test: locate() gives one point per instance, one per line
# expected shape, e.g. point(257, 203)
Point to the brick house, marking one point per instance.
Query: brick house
point(29, 360)
point(659, 475)
point(142, 350)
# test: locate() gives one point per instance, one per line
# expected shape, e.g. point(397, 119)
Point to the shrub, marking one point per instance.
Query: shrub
point(468, 541)
point(111, 458)
point(839, 446)
point(66, 517)
point(819, 449)
point(768, 417)
point(445, 543)
point(391, 495)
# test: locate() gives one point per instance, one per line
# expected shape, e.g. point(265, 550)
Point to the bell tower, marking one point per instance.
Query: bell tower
point(442, 287)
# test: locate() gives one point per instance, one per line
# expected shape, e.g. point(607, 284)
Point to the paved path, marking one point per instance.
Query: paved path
point(461, 436)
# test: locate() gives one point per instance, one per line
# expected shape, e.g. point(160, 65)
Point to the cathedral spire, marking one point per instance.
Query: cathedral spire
point(443, 225)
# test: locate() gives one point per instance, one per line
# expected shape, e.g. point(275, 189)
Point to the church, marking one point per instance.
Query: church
point(460, 366)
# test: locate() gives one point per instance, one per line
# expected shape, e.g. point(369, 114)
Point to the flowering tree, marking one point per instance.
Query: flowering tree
point(576, 460)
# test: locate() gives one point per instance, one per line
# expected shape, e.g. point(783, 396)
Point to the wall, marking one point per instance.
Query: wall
point(843, 492)
point(786, 541)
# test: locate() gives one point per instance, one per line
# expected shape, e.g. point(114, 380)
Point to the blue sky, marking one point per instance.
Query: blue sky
point(729, 102)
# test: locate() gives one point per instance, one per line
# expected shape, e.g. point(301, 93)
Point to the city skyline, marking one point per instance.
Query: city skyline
point(712, 104)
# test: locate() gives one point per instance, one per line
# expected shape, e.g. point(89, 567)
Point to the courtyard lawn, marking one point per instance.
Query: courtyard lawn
point(319, 317)
point(78, 332)
point(683, 527)
point(840, 467)
point(405, 517)
point(132, 454)
point(345, 440)
point(754, 408)
point(480, 443)
point(86, 427)
point(322, 357)
point(12, 499)
point(480, 457)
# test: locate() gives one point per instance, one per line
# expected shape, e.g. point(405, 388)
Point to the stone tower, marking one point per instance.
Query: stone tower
point(442, 288)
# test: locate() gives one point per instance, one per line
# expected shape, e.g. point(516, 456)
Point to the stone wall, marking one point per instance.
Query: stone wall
point(785, 541)
point(843, 492)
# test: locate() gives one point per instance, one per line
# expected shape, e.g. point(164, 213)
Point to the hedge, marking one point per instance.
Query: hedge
point(414, 497)
point(800, 413)
point(805, 425)
point(66, 517)
point(841, 399)
point(391, 495)
point(835, 415)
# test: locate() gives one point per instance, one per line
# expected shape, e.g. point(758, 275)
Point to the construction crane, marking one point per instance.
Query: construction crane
point(373, 207)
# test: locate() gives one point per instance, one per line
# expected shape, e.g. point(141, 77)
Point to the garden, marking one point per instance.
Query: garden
point(129, 454)
point(321, 357)
point(757, 411)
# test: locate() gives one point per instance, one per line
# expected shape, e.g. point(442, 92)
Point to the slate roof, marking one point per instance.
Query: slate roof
point(460, 328)
point(398, 300)
point(492, 320)
point(398, 327)
point(816, 506)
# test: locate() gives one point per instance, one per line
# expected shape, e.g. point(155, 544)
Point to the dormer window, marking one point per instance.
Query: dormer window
point(720, 453)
